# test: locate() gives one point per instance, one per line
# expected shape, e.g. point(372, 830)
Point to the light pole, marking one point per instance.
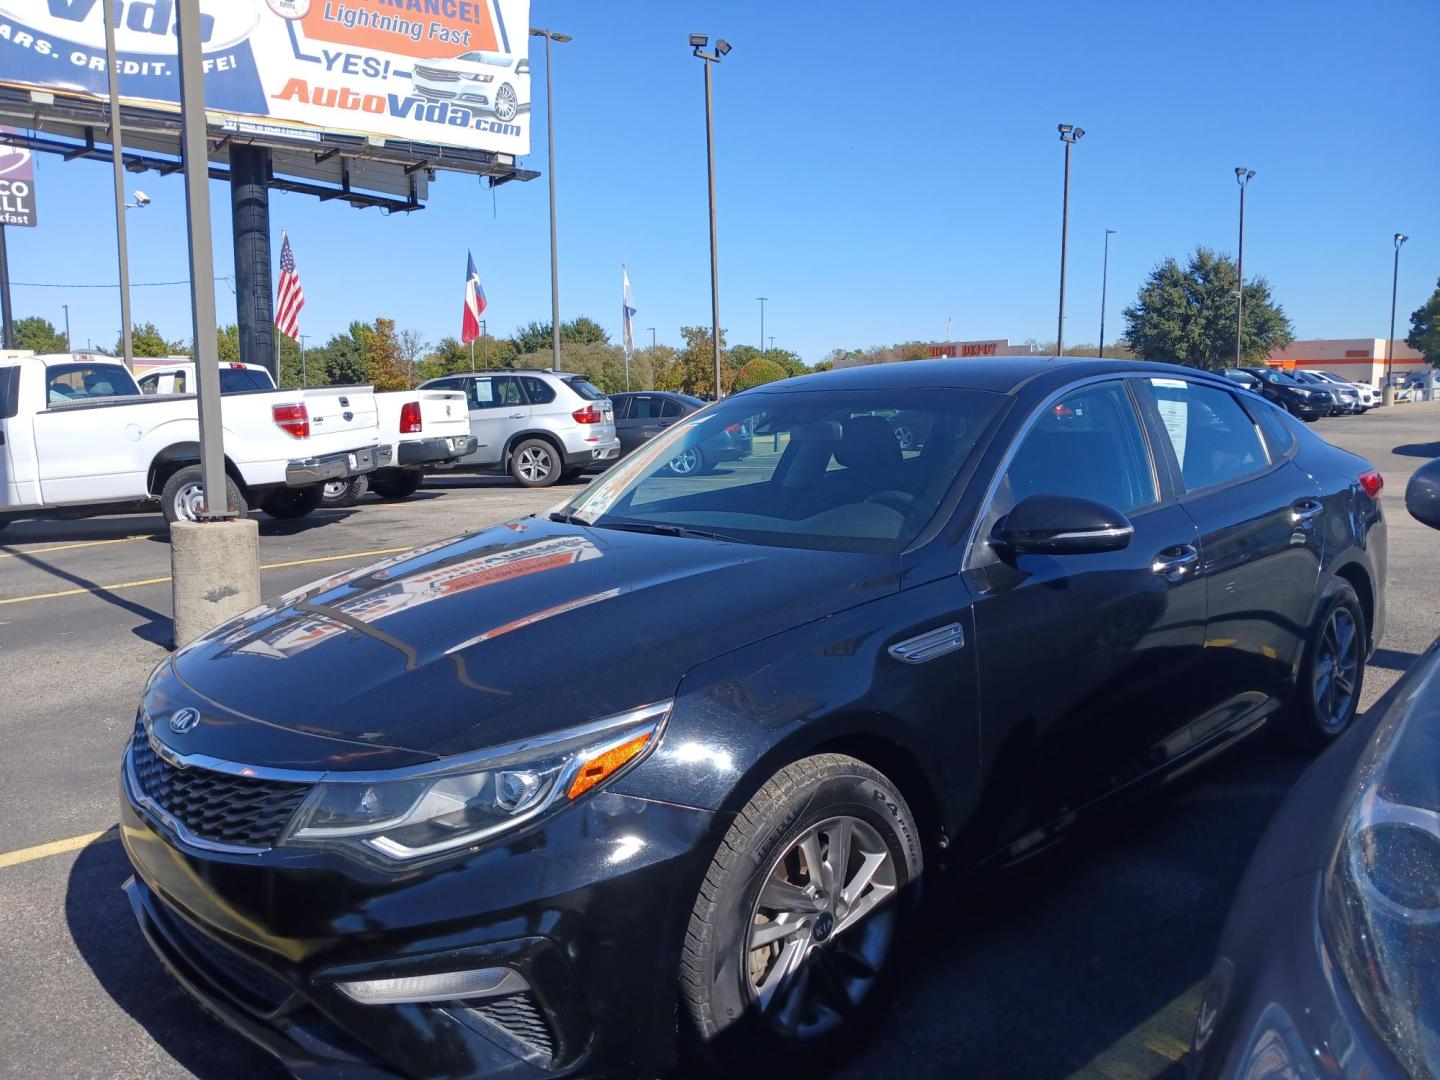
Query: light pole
point(484, 348)
point(712, 57)
point(652, 337)
point(1104, 281)
point(549, 36)
point(67, 326)
point(304, 371)
point(762, 300)
point(1388, 394)
point(1069, 135)
point(1243, 176)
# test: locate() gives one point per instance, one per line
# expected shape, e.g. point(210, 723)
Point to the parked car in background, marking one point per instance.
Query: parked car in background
point(380, 829)
point(1305, 402)
point(1243, 378)
point(1347, 398)
point(1328, 962)
point(428, 429)
point(641, 416)
point(539, 426)
point(1367, 394)
point(78, 437)
point(235, 378)
point(493, 81)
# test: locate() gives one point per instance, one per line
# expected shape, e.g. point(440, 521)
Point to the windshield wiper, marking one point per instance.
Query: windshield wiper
point(664, 529)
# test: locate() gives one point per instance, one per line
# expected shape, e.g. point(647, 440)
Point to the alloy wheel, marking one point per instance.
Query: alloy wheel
point(535, 464)
point(506, 104)
point(1337, 665)
point(685, 462)
point(821, 928)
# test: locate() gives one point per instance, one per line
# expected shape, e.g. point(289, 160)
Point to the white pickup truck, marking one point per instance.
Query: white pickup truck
point(425, 427)
point(77, 438)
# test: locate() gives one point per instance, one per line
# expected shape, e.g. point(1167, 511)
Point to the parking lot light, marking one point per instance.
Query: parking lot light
point(1243, 176)
point(1389, 391)
point(549, 36)
point(1069, 135)
point(722, 48)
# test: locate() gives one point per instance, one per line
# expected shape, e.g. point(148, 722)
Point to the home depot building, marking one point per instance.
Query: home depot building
point(1358, 360)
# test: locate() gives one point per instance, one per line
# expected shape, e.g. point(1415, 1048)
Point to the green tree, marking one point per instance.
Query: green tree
point(145, 340)
point(341, 359)
point(788, 360)
point(757, 372)
point(534, 337)
point(227, 343)
point(385, 365)
point(1425, 328)
point(694, 368)
point(824, 365)
point(1186, 315)
point(531, 338)
point(38, 334)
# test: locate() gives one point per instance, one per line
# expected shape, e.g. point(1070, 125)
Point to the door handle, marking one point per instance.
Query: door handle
point(1175, 562)
point(517, 416)
point(1306, 510)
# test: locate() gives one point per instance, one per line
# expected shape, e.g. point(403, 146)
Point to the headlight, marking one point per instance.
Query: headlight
point(478, 78)
point(1381, 908)
point(413, 813)
point(1302, 393)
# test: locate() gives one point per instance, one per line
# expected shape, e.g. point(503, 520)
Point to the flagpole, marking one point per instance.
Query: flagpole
point(625, 326)
point(472, 356)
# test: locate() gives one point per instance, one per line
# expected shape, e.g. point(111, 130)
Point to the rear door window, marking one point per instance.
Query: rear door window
point(1214, 439)
point(537, 390)
point(1274, 425)
point(670, 409)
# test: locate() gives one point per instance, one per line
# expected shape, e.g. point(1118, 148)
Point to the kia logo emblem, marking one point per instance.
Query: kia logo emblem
point(184, 720)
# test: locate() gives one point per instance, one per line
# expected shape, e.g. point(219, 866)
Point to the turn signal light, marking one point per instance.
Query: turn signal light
point(589, 415)
point(410, 418)
point(294, 420)
point(606, 764)
point(1372, 483)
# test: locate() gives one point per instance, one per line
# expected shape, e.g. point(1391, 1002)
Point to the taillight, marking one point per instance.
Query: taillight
point(410, 418)
point(1372, 483)
point(294, 420)
point(591, 414)
point(733, 429)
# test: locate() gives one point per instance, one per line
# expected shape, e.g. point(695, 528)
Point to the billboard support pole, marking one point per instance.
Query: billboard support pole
point(250, 226)
point(7, 327)
point(117, 155)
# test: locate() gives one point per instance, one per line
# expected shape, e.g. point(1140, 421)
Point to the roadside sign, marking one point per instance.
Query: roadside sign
point(17, 185)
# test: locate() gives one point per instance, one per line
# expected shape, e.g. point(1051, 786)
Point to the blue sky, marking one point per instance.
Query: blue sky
point(881, 168)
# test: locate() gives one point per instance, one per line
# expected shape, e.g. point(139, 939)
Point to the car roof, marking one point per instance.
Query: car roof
point(1002, 375)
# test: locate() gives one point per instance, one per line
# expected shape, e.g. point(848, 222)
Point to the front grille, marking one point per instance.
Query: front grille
point(437, 74)
point(435, 94)
point(215, 806)
point(520, 1017)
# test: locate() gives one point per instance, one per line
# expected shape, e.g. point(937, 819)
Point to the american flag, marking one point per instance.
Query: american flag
point(290, 297)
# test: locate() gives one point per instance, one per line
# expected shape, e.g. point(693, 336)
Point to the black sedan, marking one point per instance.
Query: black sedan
point(641, 417)
point(664, 770)
point(1329, 964)
point(1306, 402)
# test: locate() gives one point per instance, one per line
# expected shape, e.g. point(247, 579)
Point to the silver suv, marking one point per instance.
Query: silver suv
point(539, 426)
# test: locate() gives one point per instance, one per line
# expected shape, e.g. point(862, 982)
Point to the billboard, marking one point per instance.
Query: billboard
point(17, 186)
point(447, 72)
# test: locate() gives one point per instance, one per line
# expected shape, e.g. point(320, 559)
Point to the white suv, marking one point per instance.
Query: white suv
point(538, 426)
point(1366, 397)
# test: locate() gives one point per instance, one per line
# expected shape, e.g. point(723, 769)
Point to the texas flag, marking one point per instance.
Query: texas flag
point(474, 303)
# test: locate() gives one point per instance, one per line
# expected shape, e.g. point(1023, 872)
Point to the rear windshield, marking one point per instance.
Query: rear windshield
point(68, 383)
point(584, 388)
point(233, 380)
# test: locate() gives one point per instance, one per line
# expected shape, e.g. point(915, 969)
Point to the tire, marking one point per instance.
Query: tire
point(393, 484)
point(689, 462)
point(181, 497)
point(287, 504)
point(725, 974)
point(1324, 705)
point(343, 493)
point(535, 463)
point(507, 104)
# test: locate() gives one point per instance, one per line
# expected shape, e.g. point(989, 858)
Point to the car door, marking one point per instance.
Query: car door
point(1085, 661)
point(1261, 544)
point(644, 419)
point(497, 410)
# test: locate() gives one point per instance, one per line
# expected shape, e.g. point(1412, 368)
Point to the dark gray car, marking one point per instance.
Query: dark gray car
point(640, 417)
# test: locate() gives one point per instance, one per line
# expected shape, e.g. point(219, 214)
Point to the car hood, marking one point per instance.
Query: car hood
point(500, 635)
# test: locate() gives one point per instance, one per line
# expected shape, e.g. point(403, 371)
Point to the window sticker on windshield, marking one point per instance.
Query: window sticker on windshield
point(484, 391)
point(1171, 384)
point(1174, 413)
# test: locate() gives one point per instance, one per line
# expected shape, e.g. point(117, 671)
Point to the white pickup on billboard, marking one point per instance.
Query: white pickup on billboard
point(447, 72)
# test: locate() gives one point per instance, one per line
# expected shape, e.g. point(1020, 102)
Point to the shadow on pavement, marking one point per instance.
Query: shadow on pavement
point(109, 941)
point(1393, 659)
point(1422, 450)
point(156, 628)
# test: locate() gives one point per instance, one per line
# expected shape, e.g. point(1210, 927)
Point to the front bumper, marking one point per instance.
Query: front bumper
point(317, 470)
point(589, 906)
point(433, 451)
point(1310, 409)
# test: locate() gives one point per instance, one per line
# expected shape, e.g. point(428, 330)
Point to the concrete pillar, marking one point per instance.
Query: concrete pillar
point(250, 223)
point(214, 573)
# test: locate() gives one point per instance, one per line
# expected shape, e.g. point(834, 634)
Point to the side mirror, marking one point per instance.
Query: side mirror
point(1422, 494)
point(1062, 525)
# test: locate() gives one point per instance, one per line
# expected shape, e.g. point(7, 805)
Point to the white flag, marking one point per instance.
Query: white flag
point(627, 304)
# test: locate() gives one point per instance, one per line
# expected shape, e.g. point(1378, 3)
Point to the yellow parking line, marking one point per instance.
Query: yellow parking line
point(166, 578)
point(55, 847)
point(77, 544)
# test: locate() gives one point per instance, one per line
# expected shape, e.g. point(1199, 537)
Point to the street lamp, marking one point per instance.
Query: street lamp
point(652, 337)
point(304, 371)
point(1243, 176)
point(67, 326)
point(1104, 280)
point(712, 57)
point(762, 300)
point(1388, 394)
point(1069, 135)
point(549, 36)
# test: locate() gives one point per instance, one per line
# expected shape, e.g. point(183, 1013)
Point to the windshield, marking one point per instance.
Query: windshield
point(836, 470)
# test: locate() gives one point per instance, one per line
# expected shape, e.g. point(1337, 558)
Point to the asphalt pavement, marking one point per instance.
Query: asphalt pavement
point(1086, 961)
